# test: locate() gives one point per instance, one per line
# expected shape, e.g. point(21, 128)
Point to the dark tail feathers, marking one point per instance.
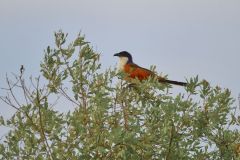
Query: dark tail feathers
point(161, 80)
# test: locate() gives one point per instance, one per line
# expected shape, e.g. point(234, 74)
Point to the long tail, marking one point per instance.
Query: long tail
point(161, 80)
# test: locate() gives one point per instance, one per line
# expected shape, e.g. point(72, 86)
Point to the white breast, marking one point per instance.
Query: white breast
point(122, 62)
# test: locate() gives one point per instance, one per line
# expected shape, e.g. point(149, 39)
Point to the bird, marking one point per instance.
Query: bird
point(22, 69)
point(134, 71)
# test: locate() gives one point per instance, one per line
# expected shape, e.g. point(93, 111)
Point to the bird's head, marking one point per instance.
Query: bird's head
point(124, 56)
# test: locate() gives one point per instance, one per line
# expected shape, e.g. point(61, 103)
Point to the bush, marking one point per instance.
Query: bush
point(112, 120)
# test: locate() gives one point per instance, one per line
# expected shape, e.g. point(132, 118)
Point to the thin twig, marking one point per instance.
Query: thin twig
point(11, 91)
point(68, 97)
point(8, 102)
point(23, 84)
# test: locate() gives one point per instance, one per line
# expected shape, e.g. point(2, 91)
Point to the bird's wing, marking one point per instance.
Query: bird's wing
point(135, 71)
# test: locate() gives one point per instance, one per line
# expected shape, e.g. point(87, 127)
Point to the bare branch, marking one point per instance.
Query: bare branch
point(42, 131)
point(11, 86)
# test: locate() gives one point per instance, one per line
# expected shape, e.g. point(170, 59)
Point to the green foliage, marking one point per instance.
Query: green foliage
point(113, 120)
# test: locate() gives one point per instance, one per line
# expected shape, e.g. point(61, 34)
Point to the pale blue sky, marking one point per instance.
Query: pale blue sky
point(182, 38)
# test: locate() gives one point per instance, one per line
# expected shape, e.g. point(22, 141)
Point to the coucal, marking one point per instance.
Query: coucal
point(133, 71)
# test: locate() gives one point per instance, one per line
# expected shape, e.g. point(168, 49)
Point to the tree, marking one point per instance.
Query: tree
point(111, 119)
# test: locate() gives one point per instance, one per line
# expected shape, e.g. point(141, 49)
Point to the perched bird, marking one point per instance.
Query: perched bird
point(133, 71)
point(22, 69)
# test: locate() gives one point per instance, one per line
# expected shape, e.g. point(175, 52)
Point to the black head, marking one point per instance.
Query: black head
point(125, 54)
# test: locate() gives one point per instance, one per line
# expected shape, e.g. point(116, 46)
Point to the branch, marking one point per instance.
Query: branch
point(48, 149)
point(10, 88)
point(125, 113)
point(68, 97)
point(170, 142)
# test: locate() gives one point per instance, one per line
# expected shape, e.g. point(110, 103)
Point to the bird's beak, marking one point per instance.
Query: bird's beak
point(117, 54)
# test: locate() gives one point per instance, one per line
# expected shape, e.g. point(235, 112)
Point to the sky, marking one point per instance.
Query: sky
point(181, 38)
